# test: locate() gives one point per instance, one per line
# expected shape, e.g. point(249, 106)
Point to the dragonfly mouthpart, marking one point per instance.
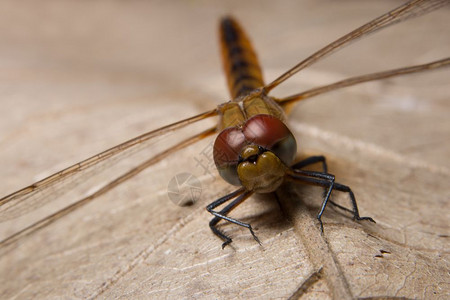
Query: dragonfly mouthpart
point(260, 172)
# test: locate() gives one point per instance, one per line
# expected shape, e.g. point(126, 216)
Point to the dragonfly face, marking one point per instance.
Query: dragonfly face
point(255, 154)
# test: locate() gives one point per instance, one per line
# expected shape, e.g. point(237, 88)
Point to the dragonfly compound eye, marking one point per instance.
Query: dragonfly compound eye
point(227, 147)
point(272, 134)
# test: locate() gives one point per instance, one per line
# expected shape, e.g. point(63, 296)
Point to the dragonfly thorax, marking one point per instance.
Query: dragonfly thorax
point(255, 155)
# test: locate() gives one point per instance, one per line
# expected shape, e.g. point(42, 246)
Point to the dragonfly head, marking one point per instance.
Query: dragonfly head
point(255, 155)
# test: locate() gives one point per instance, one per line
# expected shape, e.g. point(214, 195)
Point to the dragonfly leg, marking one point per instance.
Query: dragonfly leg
point(312, 160)
point(355, 211)
point(325, 179)
point(241, 195)
point(316, 178)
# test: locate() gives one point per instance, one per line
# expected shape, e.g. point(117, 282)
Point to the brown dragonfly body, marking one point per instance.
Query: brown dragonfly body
point(255, 149)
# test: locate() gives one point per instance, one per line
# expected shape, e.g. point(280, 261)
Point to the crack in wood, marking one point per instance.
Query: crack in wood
point(319, 252)
point(309, 282)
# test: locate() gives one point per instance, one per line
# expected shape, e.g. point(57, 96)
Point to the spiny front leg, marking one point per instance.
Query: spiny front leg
point(241, 195)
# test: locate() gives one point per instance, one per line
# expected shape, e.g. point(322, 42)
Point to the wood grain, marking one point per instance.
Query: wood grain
point(79, 77)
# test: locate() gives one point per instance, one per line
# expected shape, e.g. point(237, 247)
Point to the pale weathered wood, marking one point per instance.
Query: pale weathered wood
point(79, 77)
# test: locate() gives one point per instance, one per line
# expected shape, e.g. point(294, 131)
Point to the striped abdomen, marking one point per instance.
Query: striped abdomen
point(239, 59)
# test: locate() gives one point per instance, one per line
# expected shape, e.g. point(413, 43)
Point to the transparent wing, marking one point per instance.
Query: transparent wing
point(45, 201)
point(408, 10)
point(362, 78)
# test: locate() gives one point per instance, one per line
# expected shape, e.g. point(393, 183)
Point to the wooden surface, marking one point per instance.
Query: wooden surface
point(79, 77)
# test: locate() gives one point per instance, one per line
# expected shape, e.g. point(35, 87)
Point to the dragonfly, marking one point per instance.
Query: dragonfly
point(240, 166)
